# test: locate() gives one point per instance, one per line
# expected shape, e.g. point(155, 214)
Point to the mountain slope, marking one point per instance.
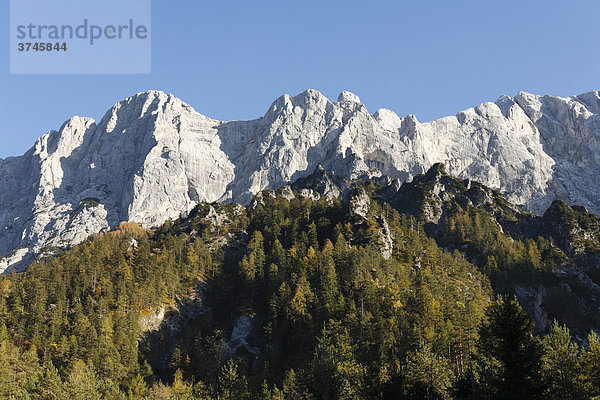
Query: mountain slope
point(550, 262)
point(320, 296)
point(153, 157)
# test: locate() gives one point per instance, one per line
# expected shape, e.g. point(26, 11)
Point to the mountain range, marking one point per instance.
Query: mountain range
point(152, 157)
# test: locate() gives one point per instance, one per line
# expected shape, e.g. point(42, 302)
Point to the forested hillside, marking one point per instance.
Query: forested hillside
point(374, 294)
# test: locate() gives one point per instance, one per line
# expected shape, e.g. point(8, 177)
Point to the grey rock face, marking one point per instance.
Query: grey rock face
point(569, 130)
point(360, 203)
point(153, 157)
point(242, 327)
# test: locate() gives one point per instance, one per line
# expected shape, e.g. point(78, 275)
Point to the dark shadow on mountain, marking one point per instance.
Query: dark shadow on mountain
point(161, 341)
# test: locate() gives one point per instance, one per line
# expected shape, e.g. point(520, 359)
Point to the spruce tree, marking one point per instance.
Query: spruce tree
point(510, 353)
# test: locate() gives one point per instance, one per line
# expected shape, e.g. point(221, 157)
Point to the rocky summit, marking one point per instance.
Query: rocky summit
point(152, 157)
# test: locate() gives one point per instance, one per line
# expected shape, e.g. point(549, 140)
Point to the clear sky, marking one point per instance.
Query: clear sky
point(231, 59)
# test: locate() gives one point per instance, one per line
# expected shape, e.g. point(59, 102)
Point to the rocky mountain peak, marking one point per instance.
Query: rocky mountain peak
point(153, 157)
point(388, 119)
point(348, 97)
point(591, 100)
point(309, 101)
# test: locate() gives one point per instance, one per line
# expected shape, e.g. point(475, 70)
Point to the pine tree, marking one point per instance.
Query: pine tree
point(180, 390)
point(301, 301)
point(232, 385)
point(82, 383)
point(324, 367)
point(291, 388)
point(50, 386)
point(562, 366)
point(591, 365)
point(335, 372)
point(426, 375)
point(137, 387)
point(175, 362)
point(312, 236)
point(510, 354)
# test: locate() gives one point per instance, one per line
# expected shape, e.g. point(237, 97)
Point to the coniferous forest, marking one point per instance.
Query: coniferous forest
point(311, 297)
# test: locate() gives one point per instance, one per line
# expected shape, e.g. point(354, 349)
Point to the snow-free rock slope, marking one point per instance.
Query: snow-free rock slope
point(153, 157)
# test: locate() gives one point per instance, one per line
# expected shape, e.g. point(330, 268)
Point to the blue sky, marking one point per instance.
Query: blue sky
point(231, 59)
